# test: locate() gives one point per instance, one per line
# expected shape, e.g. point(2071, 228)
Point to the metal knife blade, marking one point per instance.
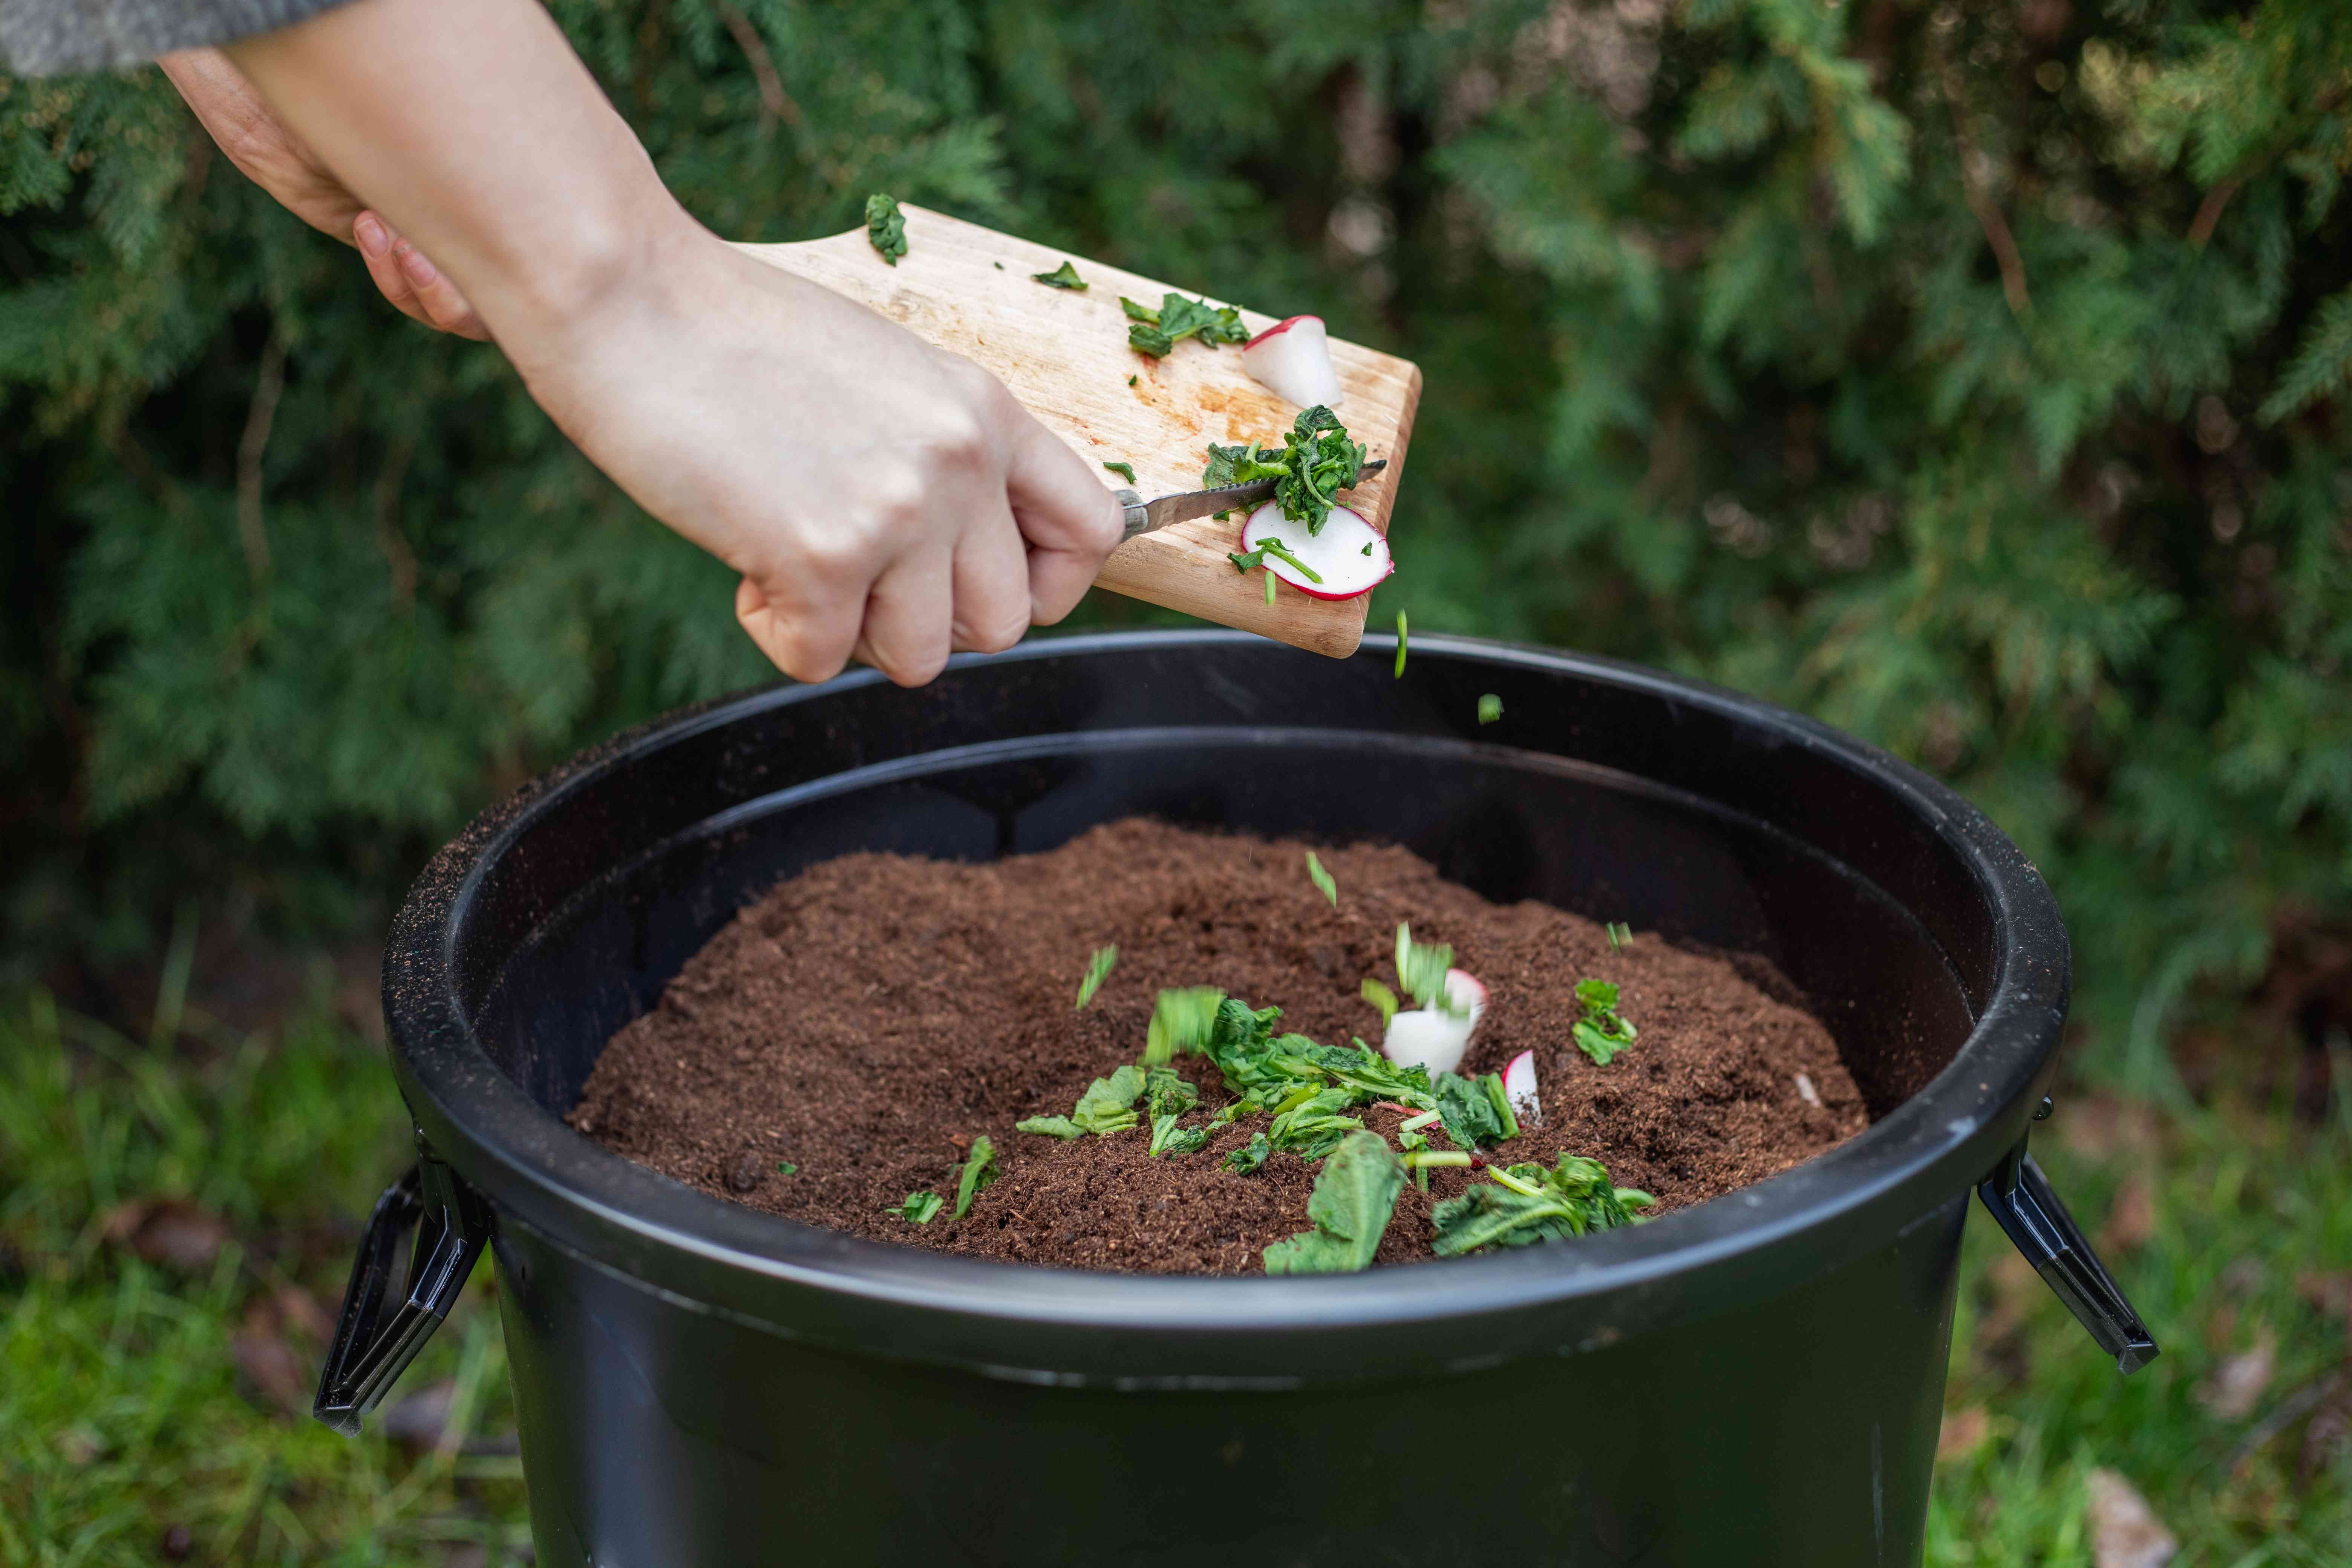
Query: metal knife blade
point(1147, 516)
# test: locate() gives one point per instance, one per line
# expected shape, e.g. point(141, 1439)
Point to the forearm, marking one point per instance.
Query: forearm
point(476, 131)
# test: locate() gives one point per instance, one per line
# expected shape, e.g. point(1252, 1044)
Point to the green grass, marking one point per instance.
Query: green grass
point(123, 1414)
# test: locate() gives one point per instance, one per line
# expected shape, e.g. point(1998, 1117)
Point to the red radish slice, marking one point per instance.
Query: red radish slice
point(1519, 1088)
point(1463, 990)
point(1350, 554)
point(1293, 358)
point(1421, 1037)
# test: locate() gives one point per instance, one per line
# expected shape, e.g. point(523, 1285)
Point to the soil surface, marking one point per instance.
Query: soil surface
point(867, 1018)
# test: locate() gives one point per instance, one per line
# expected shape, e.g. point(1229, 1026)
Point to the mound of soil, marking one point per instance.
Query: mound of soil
point(867, 1018)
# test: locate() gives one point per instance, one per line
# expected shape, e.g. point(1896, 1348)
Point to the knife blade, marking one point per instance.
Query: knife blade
point(1147, 516)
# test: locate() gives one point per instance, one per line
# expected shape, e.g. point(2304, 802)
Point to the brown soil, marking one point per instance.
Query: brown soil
point(867, 1018)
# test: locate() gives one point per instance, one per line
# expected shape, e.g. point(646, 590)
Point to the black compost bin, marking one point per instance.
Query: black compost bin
point(1755, 1380)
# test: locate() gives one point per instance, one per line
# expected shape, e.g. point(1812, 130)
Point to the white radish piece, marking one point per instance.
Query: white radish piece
point(1293, 358)
point(1519, 1089)
point(1423, 1037)
point(1433, 1037)
point(1349, 555)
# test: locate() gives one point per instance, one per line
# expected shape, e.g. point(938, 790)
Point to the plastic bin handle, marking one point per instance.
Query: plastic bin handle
point(369, 1351)
point(2021, 1198)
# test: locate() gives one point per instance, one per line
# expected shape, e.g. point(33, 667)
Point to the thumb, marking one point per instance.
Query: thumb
point(1068, 516)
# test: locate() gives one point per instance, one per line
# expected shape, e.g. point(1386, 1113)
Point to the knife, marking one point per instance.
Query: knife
point(1147, 516)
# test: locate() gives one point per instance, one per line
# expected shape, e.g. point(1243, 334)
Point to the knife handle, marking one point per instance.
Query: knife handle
point(1139, 516)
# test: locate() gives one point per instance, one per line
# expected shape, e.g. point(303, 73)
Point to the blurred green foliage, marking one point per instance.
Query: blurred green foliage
point(1968, 376)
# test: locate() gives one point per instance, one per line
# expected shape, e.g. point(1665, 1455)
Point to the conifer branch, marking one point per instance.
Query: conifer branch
point(267, 388)
point(1987, 212)
point(775, 103)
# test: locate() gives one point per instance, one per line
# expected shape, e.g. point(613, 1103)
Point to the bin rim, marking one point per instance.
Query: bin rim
point(1059, 1325)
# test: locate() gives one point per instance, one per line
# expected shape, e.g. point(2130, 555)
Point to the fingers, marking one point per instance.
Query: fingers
point(908, 615)
point(992, 585)
point(1068, 515)
point(414, 285)
point(806, 631)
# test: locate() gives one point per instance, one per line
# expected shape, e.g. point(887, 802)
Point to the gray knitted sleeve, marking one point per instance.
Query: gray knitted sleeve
point(43, 38)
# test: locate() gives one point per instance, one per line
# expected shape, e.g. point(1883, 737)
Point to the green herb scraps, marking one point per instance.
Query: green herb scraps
point(1181, 1019)
point(1400, 659)
point(1250, 1155)
point(1124, 470)
point(1421, 971)
point(1157, 332)
point(1473, 1113)
point(978, 1171)
point(1353, 1201)
point(1098, 968)
point(1109, 1104)
point(1315, 463)
point(1601, 1032)
point(1322, 879)
point(916, 1208)
point(886, 226)
point(1379, 996)
point(1526, 1203)
point(1063, 277)
point(786, 1168)
point(1050, 1126)
point(1490, 708)
point(1620, 935)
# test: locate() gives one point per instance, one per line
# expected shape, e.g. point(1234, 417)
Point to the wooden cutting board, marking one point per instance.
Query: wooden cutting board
point(1065, 355)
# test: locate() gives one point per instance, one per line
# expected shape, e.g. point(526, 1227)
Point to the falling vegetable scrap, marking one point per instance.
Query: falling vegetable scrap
point(1620, 935)
point(1097, 969)
point(1063, 277)
point(1400, 659)
point(1322, 879)
point(1490, 708)
point(886, 226)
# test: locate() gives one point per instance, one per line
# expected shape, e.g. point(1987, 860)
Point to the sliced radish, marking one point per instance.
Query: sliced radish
point(1464, 991)
point(1431, 1036)
point(1349, 555)
point(1293, 358)
point(1519, 1088)
point(1419, 1037)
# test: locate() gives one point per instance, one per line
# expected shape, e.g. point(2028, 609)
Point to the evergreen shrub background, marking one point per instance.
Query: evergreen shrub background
point(1971, 376)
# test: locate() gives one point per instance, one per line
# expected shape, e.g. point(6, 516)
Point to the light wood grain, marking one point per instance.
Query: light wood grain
point(1064, 354)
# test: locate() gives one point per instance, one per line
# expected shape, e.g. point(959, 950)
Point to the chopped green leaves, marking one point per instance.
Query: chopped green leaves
point(1322, 879)
point(1528, 1203)
point(786, 1168)
point(1420, 970)
point(1167, 1138)
point(1131, 381)
point(1379, 996)
point(1050, 1126)
point(1063, 277)
point(1601, 1032)
point(1107, 1105)
point(1250, 1156)
point(1157, 332)
point(886, 226)
point(1124, 470)
point(1182, 1019)
point(1468, 1111)
point(978, 1170)
point(1400, 659)
point(1490, 708)
point(1620, 935)
point(1315, 463)
point(1354, 1199)
point(916, 1208)
point(1246, 561)
point(1097, 969)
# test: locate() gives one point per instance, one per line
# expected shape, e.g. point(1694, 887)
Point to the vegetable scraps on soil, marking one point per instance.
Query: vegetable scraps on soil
point(1180, 1122)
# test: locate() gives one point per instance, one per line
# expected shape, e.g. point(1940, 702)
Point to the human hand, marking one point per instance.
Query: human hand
point(882, 499)
point(273, 157)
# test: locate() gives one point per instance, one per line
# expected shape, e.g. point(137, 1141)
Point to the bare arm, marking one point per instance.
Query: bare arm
point(879, 498)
